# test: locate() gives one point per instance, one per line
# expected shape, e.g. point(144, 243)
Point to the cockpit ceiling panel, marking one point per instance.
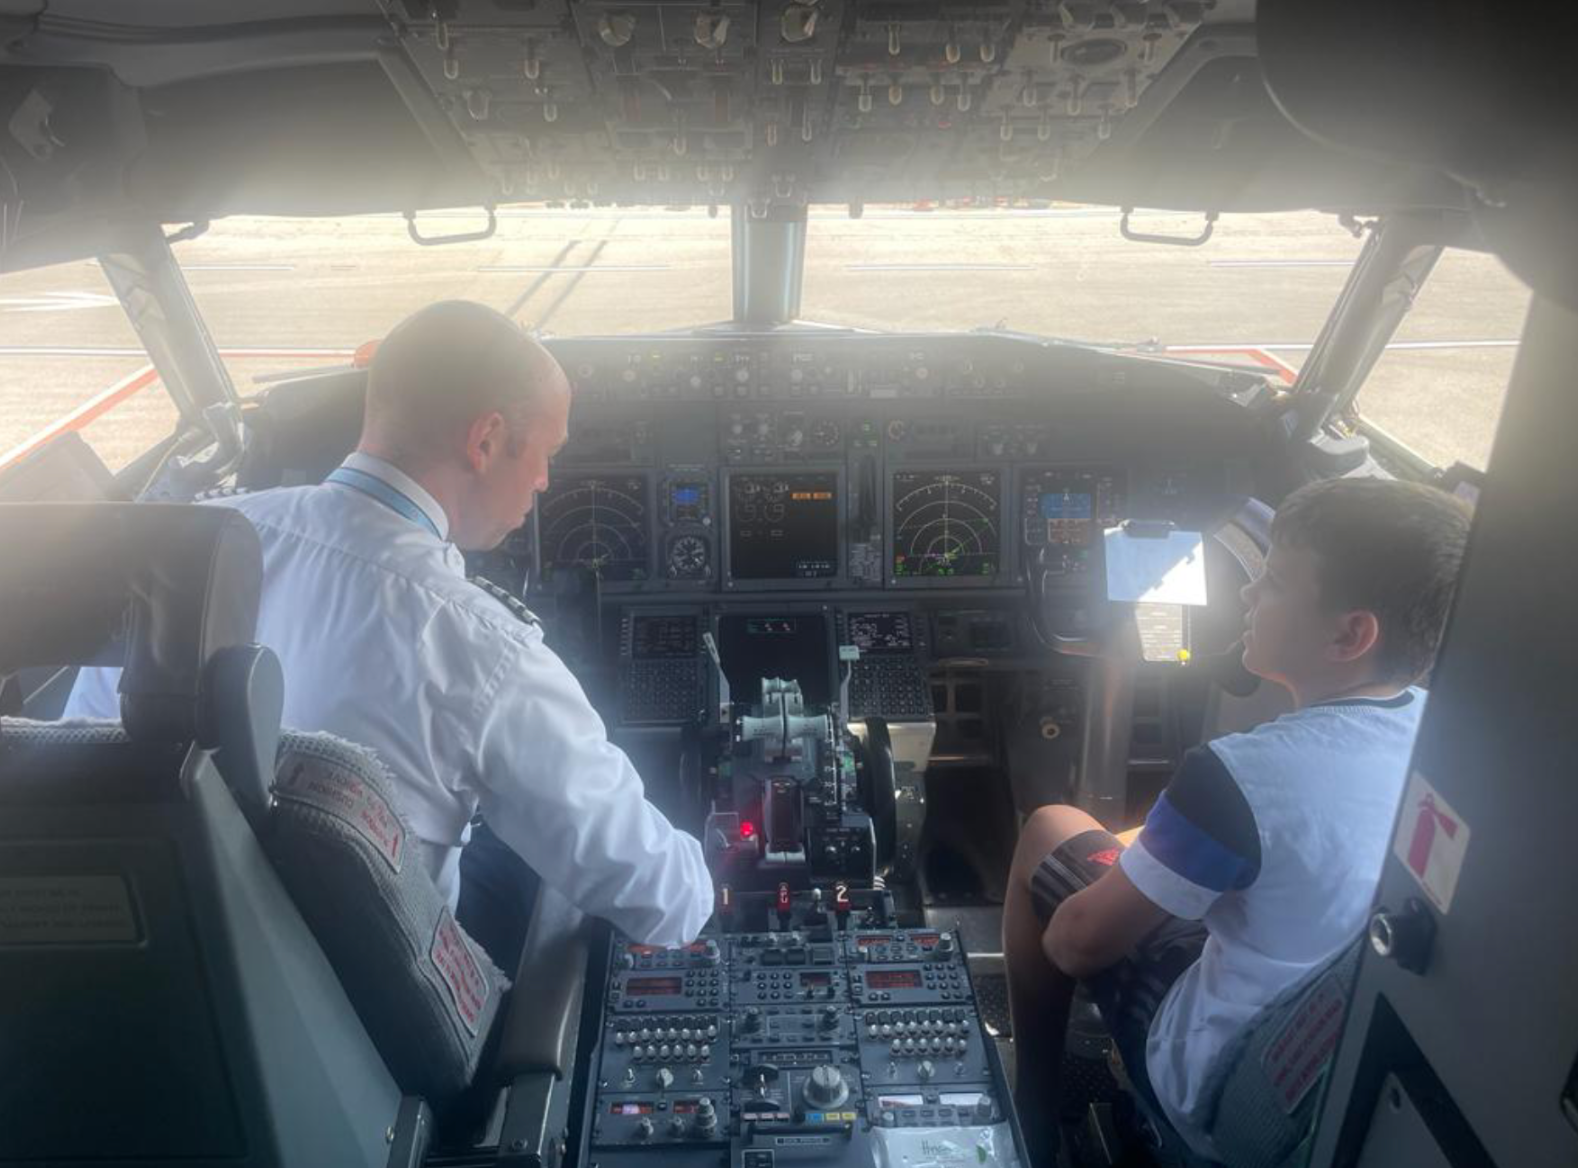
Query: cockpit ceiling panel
point(201, 108)
point(796, 101)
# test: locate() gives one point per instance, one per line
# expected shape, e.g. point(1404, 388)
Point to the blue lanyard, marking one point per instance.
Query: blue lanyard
point(378, 489)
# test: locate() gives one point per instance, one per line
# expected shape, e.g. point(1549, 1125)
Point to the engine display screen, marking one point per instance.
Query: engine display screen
point(880, 634)
point(654, 987)
point(662, 638)
point(893, 979)
point(945, 523)
point(815, 980)
point(783, 526)
point(791, 647)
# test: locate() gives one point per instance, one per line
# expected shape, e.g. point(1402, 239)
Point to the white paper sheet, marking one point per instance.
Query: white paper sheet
point(1167, 569)
point(944, 1147)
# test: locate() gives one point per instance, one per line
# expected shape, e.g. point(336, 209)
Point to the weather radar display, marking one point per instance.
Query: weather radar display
point(945, 524)
point(595, 522)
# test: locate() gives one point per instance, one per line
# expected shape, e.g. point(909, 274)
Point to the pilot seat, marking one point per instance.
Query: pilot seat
point(216, 940)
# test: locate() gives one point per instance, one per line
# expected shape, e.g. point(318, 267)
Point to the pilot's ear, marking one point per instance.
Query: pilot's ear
point(486, 439)
point(1358, 632)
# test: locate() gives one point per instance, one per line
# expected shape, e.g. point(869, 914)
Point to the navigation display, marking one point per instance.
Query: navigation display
point(660, 638)
point(878, 634)
point(783, 526)
point(596, 522)
point(946, 523)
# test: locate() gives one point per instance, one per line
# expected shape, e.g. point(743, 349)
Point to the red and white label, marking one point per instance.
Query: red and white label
point(457, 965)
point(1294, 1060)
point(339, 793)
point(1431, 842)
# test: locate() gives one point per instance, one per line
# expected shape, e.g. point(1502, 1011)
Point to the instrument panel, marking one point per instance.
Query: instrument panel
point(830, 464)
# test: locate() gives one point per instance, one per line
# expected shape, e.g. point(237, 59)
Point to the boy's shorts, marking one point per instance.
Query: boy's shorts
point(1129, 993)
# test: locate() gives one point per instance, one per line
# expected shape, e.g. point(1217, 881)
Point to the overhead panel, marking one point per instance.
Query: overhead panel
point(787, 100)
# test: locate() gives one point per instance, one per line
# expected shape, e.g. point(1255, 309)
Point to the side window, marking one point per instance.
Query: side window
point(1438, 387)
point(69, 360)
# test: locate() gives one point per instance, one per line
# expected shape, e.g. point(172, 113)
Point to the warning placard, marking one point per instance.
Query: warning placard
point(457, 965)
point(66, 910)
point(1300, 1051)
point(1431, 842)
point(335, 791)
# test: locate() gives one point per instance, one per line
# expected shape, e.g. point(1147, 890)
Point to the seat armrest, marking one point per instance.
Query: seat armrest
point(538, 1028)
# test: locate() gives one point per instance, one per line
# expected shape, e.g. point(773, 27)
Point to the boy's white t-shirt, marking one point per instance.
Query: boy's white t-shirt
point(1322, 784)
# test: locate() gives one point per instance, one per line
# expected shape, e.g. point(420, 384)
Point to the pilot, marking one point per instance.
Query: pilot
point(1258, 863)
point(384, 641)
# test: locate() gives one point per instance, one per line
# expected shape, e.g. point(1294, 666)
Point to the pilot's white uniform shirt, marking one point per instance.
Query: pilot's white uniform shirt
point(385, 643)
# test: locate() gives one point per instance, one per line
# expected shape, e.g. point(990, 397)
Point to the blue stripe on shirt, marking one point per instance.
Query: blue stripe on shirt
point(1174, 840)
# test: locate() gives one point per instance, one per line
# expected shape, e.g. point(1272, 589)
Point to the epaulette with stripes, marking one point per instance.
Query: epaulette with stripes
point(507, 599)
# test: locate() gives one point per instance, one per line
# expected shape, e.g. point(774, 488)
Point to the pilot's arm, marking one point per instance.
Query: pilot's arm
point(95, 694)
point(1199, 842)
point(561, 795)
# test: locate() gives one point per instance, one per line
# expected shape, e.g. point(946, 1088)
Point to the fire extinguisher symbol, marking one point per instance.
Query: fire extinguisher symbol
point(1431, 818)
point(1431, 842)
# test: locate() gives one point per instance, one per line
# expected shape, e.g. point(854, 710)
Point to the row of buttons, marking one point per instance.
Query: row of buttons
point(922, 1046)
point(667, 1052)
point(658, 1034)
point(918, 1019)
point(937, 1116)
point(887, 1030)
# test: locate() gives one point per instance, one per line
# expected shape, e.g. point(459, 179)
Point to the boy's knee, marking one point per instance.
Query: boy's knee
point(1044, 830)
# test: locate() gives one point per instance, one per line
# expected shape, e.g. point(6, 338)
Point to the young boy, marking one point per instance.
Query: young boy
point(1259, 861)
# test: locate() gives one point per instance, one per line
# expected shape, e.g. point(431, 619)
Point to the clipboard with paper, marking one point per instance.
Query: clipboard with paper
point(1160, 570)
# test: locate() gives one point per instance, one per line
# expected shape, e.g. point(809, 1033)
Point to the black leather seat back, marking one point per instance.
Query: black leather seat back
point(301, 430)
point(161, 999)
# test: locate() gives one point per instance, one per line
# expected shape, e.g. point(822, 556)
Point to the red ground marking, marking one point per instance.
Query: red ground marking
point(130, 386)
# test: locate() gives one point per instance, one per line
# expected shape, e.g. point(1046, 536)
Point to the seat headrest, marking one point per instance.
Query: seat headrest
point(180, 582)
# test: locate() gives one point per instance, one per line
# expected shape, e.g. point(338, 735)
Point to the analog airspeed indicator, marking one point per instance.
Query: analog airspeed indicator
point(946, 524)
point(595, 522)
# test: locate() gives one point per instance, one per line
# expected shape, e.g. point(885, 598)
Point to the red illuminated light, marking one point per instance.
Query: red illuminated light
point(747, 829)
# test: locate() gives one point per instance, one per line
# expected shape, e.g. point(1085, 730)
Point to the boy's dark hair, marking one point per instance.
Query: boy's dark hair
point(1391, 548)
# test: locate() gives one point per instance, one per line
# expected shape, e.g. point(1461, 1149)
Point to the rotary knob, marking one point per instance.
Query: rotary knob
point(644, 1129)
point(706, 1118)
point(825, 1088)
point(925, 1070)
point(676, 1127)
point(665, 1078)
point(753, 1019)
point(829, 1019)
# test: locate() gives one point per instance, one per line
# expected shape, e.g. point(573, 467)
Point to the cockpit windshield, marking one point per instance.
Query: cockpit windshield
point(288, 296)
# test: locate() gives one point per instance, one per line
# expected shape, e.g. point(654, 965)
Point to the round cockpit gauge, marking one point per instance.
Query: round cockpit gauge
point(689, 557)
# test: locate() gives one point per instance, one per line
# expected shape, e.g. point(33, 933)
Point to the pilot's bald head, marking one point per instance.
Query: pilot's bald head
point(448, 364)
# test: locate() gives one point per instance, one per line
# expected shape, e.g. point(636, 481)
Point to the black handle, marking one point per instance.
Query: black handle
point(462, 237)
point(1169, 240)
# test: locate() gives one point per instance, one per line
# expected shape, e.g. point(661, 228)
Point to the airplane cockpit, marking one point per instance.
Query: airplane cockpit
point(854, 602)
